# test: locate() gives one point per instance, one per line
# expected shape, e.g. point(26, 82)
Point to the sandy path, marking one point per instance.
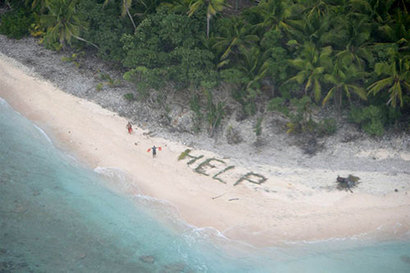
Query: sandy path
point(281, 209)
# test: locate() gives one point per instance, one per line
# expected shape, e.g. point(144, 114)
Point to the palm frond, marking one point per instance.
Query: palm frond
point(379, 85)
point(328, 95)
point(317, 90)
point(361, 92)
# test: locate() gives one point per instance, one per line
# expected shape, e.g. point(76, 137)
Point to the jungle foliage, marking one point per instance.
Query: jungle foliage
point(288, 56)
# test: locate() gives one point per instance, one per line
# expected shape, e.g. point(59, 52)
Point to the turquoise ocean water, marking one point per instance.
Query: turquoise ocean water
point(58, 216)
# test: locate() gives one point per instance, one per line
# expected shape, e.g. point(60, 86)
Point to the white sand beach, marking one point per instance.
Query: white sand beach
point(293, 204)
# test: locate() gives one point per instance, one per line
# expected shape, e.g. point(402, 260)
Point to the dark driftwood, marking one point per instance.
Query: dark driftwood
point(347, 183)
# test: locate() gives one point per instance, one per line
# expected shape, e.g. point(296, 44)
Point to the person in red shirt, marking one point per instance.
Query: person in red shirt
point(129, 127)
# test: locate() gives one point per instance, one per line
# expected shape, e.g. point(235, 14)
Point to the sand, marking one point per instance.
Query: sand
point(293, 204)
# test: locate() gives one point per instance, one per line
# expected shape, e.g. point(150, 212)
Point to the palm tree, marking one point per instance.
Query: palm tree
point(234, 37)
point(125, 10)
point(397, 30)
point(357, 34)
point(395, 76)
point(273, 14)
point(344, 79)
point(380, 9)
point(41, 3)
point(145, 7)
point(254, 65)
point(315, 8)
point(178, 6)
point(62, 22)
point(312, 65)
point(213, 6)
point(314, 29)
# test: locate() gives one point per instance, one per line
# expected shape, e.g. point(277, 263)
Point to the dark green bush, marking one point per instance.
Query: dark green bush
point(278, 104)
point(129, 97)
point(215, 112)
point(145, 79)
point(105, 27)
point(301, 116)
point(195, 106)
point(278, 68)
point(258, 126)
point(299, 112)
point(233, 76)
point(327, 127)
point(15, 24)
point(371, 119)
point(168, 46)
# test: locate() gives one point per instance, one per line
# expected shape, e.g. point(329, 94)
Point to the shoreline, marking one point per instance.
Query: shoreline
point(282, 208)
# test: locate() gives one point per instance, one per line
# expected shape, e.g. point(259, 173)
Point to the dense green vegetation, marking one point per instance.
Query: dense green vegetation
point(288, 56)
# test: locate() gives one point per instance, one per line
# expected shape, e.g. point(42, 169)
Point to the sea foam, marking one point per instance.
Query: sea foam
point(43, 133)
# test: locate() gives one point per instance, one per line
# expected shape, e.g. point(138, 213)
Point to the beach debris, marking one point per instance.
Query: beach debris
point(221, 172)
point(194, 158)
point(248, 177)
point(147, 259)
point(207, 163)
point(184, 154)
point(347, 183)
point(233, 199)
point(215, 197)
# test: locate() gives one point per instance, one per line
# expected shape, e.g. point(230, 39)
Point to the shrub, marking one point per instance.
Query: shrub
point(278, 104)
point(258, 126)
point(215, 112)
point(301, 116)
point(145, 79)
point(129, 97)
point(279, 65)
point(327, 127)
point(105, 27)
point(195, 106)
point(110, 81)
point(369, 118)
point(99, 86)
point(373, 119)
point(16, 23)
point(74, 58)
point(167, 46)
point(299, 112)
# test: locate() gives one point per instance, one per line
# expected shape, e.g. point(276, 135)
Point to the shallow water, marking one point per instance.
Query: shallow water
point(58, 216)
